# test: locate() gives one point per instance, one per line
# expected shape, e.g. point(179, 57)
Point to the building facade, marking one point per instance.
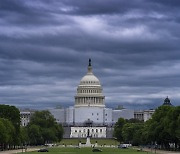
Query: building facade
point(25, 117)
point(89, 113)
point(143, 115)
point(89, 107)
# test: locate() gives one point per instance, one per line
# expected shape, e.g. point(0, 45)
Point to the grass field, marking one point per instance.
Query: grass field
point(93, 141)
point(89, 151)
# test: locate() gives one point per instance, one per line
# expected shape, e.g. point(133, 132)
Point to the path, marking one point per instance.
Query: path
point(161, 151)
point(18, 150)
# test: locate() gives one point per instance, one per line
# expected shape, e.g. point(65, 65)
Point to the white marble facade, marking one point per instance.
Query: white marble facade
point(90, 105)
point(25, 117)
point(94, 132)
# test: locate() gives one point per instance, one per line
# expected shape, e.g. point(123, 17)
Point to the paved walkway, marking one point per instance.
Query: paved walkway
point(161, 151)
point(35, 149)
point(18, 150)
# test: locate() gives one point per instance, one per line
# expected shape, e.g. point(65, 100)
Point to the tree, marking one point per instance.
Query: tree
point(7, 132)
point(13, 115)
point(24, 135)
point(138, 135)
point(35, 134)
point(118, 129)
point(164, 127)
point(43, 128)
point(128, 132)
point(3, 134)
point(172, 123)
point(132, 133)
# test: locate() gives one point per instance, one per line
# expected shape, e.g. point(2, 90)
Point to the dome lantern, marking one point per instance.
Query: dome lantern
point(167, 102)
point(90, 67)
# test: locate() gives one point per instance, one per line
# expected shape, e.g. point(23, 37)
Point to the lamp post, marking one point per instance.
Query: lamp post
point(155, 146)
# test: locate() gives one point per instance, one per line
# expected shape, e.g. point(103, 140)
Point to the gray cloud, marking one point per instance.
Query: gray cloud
point(45, 46)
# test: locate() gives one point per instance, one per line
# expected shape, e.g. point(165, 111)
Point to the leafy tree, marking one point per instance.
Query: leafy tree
point(43, 128)
point(127, 132)
point(3, 133)
point(164, 127)
point(118, 129)
point(10, 130)
point(59, 132)
point(24, 135)
point(138, 136)
point(132, 133)
point(10, 117)
point(158, 129)
point(12, 114)
point(49, 135)
point(7, 132)
point(172, 123)
point(35, 135)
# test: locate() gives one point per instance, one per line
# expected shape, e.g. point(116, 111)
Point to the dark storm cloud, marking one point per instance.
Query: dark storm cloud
point(45, 46)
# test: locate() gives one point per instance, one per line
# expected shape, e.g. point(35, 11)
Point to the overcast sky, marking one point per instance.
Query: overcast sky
point(45, 45)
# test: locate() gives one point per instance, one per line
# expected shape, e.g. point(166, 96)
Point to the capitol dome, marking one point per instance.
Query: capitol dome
point(89, 91)
point(89, 78)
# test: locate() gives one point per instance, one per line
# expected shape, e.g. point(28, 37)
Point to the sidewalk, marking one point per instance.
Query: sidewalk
point(160, 151)
point(19, 150)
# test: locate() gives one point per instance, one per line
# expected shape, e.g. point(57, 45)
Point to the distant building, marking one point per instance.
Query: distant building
point(89, 106)
point(139, 115)
point(167, 102)
point(89, 113)
point(25, 117)
point(143, 115)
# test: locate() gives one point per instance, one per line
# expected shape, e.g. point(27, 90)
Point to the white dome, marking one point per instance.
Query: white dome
point(89, 91)
point(90, 79)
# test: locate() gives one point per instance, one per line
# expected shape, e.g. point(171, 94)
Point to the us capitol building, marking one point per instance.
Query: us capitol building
point(89, 113)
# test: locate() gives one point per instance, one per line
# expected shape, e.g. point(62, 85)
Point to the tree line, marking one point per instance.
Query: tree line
point(41, 129)
point(9, 126)
point(162, 130)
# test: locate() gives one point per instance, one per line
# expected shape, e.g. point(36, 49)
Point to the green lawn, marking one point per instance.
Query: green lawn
point(89, 151)
point(93, 141)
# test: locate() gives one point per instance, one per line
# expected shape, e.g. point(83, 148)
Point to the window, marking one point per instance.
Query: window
point(92, 114)
point(97, 113)
point(96, 130)
point(97, 119)
point(101, 130)
point(106, 114)
point(75, 131)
